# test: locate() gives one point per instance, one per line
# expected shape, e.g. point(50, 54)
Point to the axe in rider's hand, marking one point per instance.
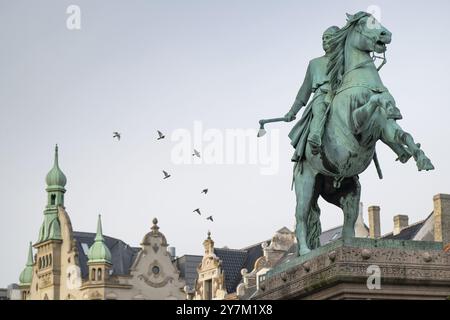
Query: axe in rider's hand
point(262, 123)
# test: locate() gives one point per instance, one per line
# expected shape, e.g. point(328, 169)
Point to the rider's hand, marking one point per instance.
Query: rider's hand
point(290, 116)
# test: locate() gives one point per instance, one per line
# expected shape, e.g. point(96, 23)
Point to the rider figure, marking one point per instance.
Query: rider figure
point(317, 82)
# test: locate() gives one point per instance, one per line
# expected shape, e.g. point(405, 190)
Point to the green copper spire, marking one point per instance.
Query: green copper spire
point(99, 252)
point(56, 177)
point(56, 180)
point(27, 274)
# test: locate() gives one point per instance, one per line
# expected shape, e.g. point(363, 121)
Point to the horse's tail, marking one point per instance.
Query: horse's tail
point(313, 228)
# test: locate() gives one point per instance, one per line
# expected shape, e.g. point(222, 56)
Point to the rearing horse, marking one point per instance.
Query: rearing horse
point(360, 114)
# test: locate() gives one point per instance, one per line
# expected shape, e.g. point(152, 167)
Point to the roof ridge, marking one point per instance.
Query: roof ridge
point(409, 226)
point(230, 249)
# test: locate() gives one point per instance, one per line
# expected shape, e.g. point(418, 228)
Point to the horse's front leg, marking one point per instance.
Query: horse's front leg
point(304, 189)
point(349, 202)
point(393, 133)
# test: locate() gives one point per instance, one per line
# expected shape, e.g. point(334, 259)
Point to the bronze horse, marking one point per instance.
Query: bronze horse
point(359, 114)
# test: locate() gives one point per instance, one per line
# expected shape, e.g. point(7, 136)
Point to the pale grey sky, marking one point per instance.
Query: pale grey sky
point(139, 66)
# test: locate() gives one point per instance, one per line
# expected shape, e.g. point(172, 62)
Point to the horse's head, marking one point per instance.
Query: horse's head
point(361, 33)
point(368, 34)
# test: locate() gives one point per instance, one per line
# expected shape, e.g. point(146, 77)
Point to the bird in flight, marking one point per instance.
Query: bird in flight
point(196, 153)
point(160, 135)
point(116, 135)
point(198, 211)
point(166, 175)
point(205, 191)
point(210, 218)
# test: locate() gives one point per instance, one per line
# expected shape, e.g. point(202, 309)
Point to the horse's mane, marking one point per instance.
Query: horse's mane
point(336, 64)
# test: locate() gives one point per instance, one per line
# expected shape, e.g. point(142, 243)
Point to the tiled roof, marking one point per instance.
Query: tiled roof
point(232, 263)
point(406, 234)
point(121, 253)
point(187, 265)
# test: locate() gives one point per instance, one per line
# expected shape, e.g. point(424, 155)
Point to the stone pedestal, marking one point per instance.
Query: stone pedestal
point(362, 269)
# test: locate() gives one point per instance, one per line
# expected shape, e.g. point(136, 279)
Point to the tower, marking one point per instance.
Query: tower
point(99, 262)
point(48, 246)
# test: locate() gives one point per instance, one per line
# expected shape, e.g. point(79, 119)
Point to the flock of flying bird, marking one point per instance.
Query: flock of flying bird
point(161, 136)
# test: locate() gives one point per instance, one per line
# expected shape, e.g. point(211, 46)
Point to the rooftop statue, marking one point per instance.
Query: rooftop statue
point(336, 136)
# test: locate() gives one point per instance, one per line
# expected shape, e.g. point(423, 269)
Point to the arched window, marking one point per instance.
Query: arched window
point(53, 199)
point(99, 274)
point(46, 261)
point(40, 263)
point(93, 274)
point(50, 259)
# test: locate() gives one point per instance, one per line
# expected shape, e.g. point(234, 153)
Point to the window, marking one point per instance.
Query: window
point(85, 248)
point(208, 289)
point(93, 274)
point(99, 275)
point(155, 270)
point(53, 199)
point(40, 263)
point(50, 260)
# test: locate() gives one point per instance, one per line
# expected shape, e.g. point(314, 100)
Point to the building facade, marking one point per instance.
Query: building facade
point(83, 265)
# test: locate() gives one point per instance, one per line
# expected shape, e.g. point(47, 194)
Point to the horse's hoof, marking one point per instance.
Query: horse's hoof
point(425, 164)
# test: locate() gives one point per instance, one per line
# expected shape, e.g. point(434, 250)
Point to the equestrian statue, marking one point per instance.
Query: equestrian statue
point(335, 139)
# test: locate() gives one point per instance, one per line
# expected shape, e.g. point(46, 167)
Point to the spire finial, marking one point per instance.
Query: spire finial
point(99, 235)
point(209, 235)
point(30, 256)
point(155, 227)
point(56, 155)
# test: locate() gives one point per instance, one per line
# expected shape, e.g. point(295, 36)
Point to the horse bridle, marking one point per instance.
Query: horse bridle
point(374, 56)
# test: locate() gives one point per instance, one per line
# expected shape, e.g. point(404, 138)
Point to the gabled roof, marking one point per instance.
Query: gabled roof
point(122, 255)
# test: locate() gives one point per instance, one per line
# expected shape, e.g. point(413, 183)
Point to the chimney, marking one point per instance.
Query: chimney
point(400, 223)
point(374, 222)
point(442, 218)
point(172, 252)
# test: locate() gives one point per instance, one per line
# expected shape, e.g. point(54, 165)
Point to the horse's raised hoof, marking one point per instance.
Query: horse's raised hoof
point(425, 164)
point(393, 113)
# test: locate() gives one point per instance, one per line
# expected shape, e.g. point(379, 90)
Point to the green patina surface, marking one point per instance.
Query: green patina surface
point(357, 243)
point(335, 139)
point(56, 181)
point(27, 274)
point(99, 252)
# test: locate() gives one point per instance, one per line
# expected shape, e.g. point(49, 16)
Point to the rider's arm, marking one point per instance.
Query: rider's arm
point(304, 93)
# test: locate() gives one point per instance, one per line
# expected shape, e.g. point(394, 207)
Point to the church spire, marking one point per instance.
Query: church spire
point(27, 274)
point(99, 252)
point(56, 181)
point(99, 235)
point(56, 178)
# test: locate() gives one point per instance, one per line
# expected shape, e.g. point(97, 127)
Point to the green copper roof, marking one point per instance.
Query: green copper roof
point(99, 252)
point(50, 228)
point(56, 177)
point(27, 274)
